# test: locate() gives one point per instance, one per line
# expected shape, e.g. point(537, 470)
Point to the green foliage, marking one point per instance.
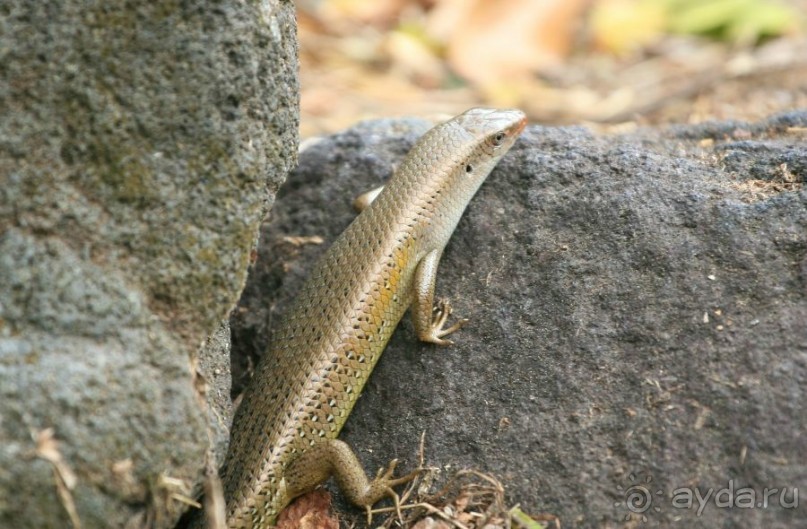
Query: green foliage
point(524, 520)
point(745, 21)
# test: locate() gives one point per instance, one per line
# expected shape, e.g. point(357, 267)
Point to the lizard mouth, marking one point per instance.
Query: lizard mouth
point(522, 123)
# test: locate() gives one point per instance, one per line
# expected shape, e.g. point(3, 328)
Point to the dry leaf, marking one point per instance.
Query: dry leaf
point(491, 42)
point(309, 511)
point(47, 448)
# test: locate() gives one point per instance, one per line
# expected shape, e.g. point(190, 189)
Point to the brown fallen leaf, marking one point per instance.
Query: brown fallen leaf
point(309, 511)
point(492, 42)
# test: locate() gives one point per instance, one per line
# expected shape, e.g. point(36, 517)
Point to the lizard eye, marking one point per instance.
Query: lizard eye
point(498, 138)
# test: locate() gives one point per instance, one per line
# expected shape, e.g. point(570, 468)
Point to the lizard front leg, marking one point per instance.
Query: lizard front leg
point(428, 318)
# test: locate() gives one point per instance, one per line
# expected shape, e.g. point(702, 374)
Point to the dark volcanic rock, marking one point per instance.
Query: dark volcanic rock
point(140, 145)
point(638, 307)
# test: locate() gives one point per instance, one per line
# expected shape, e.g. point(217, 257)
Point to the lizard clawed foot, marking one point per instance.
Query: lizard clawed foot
point(385, 475)
point(383, 484)
point(440, 314)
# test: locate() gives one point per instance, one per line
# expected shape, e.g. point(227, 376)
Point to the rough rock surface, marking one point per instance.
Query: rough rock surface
point(140, 146)
point(638, 310)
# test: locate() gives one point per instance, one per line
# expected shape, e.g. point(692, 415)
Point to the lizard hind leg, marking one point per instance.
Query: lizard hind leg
point(334, 457)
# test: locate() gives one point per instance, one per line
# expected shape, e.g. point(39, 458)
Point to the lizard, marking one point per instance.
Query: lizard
point(284, 435)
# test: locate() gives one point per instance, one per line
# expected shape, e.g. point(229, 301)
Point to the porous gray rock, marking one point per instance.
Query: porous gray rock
point(638, 309)
point(140, 147)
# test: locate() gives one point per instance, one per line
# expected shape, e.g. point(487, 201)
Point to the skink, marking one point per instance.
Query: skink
point(284, 432)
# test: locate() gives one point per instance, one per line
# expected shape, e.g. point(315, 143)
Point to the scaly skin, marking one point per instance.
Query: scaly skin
point(284, 432)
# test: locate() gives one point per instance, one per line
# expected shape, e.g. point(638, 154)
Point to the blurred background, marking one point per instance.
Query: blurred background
point(603, 63)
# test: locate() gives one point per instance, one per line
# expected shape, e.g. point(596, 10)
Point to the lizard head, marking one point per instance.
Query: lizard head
point(451, 161)
point(445, 168)
point(484, 136)
point(494, 130)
